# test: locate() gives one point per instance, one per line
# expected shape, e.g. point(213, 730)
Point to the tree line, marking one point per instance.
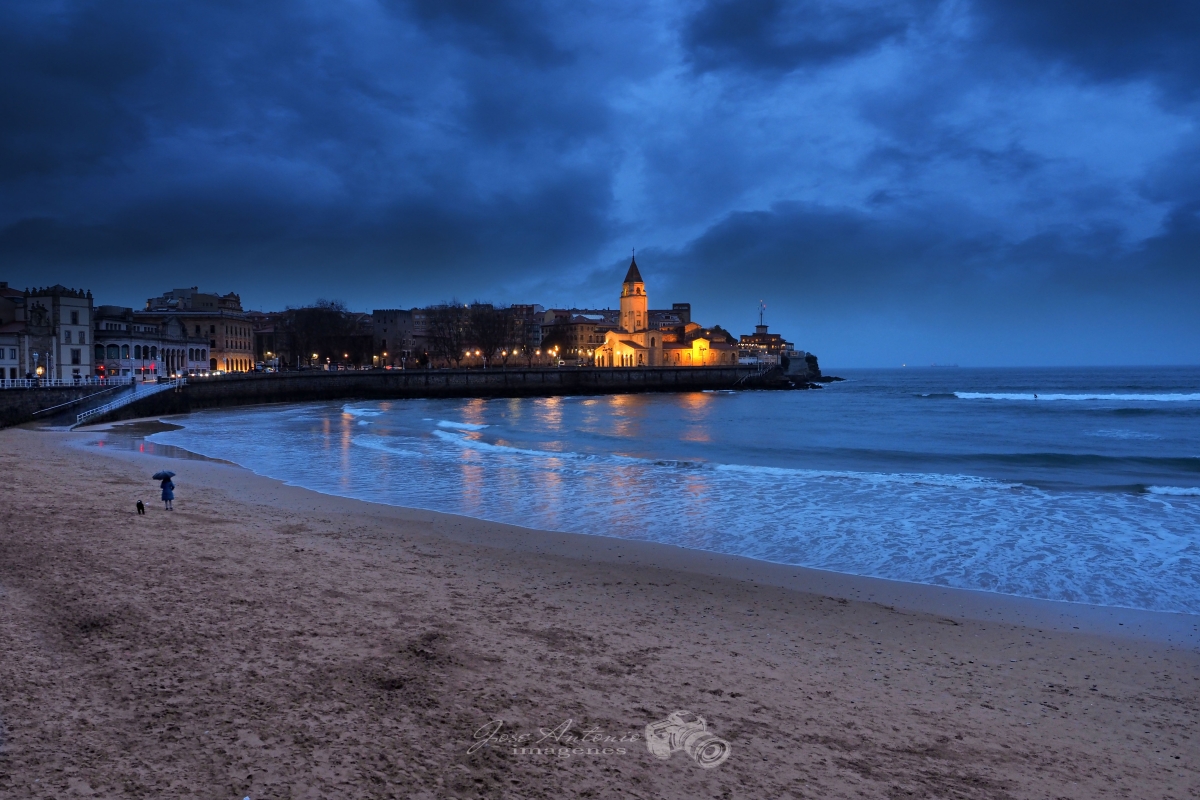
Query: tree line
point(454, 330)
point(324, 330)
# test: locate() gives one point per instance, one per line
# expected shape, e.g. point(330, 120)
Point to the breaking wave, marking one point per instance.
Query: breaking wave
point(1175, 491)
point(1115, 398)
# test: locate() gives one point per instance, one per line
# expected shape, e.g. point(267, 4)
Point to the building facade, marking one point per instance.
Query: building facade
point(142, 345)
point(393, 338)
point(633, 343)
point(45, 333)
point(217, 319)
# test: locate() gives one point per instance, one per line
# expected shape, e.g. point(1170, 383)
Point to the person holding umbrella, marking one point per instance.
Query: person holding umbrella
point(168, 488)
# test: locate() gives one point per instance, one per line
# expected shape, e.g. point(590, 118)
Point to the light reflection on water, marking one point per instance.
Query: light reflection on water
point(870, 479)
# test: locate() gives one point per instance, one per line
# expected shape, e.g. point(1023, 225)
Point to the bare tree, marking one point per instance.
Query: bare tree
point(325, 329)
point(448, 332)
point(490, 329)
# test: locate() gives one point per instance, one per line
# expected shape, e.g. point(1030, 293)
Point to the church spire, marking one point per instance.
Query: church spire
point(633, 276)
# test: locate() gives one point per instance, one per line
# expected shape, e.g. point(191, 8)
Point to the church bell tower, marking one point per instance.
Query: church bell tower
point(634, 316)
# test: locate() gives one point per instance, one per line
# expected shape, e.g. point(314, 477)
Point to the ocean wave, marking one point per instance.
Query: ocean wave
point(460, 426)
point(1119, 398)
point(360, 411)
point(745, 470)
point(880, 478)
point(1175, 491)
point(488, 447)
point(380, 443)
point(1122, 434)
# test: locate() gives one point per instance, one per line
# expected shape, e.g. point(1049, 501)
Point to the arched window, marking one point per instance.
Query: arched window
point(154, 352)
point(191, 354)
point(201, 354)
point(99, 352)
point(113, 351)
point(652, 341)
point(124, 351)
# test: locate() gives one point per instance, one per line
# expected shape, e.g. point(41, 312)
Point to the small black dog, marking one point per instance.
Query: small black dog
point(141, 508)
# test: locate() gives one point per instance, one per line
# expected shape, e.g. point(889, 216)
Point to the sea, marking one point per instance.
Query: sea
point(1078, 485)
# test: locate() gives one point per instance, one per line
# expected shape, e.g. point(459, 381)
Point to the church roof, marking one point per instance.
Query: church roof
point(633, 276)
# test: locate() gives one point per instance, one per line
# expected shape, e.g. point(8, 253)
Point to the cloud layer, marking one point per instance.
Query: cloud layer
point(979, 182)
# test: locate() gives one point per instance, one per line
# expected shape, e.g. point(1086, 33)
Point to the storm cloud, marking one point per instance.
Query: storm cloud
point(968, 181)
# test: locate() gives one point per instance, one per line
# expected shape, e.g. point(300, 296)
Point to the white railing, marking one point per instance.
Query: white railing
point(141, 390)
point(44, 383)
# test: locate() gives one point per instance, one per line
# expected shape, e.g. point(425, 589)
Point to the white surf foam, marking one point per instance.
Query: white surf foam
point(488, 447)
point(1122, 434)
point(1118, 398)
point(1175, 491)
point(361, 412)
point(462, 426)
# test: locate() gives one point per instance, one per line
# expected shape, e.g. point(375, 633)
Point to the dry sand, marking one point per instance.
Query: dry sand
point(266, 641)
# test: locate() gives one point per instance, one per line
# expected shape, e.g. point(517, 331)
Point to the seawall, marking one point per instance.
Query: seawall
point(26, 405)
point(299, 387)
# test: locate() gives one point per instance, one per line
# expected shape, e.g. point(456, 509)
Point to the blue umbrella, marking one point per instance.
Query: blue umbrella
point(164, 475)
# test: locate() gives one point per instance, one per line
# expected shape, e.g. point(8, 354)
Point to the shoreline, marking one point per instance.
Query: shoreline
point(1175, 628)
point(265, 640)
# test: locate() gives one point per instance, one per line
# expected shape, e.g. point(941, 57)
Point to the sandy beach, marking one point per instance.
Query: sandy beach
point(267, 641)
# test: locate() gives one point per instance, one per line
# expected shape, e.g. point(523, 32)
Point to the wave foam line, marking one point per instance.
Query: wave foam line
point(460, 426)
point(877, 478)
point(1125, 398)
point(1175, 491)
point(360, 412)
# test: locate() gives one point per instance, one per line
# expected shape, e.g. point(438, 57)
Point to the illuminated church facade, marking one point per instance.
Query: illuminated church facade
point(635, 343)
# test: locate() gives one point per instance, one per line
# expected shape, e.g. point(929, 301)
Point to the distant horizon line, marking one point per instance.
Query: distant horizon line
point(1042, 366)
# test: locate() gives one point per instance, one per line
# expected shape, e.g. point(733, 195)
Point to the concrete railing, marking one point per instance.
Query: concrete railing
point(140, 391)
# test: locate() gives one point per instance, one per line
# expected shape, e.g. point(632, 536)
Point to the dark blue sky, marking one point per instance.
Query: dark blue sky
point(986, 182)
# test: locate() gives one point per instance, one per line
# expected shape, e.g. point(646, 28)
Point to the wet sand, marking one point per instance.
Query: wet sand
point(266, 641)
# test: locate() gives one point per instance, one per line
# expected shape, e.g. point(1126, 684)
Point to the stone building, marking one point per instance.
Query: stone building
point(653, 338)
point(45, 333)
point(12, 333)
point(392, 336)
point(218, 319)
point(633, 343)
point(577, 336)
point(698, 348)
point(145, 345)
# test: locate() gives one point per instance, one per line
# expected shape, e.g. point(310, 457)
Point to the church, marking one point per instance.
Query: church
point(637, 341)
point(633, 343)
